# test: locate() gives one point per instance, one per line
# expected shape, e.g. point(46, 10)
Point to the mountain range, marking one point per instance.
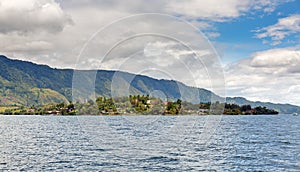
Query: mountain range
point(25, 83)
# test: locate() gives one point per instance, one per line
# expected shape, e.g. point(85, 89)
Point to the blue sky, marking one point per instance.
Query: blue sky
point(238, 37)
point(258, 40)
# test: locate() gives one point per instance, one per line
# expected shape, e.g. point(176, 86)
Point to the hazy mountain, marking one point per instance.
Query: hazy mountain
point(283, 108)
point(26, 83)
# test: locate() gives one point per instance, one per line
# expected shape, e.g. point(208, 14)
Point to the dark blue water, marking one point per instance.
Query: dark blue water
point(151, 143)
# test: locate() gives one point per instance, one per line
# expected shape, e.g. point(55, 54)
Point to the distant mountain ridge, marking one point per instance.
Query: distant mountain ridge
point(26, 83)
point(18, 78)
point(283, 108)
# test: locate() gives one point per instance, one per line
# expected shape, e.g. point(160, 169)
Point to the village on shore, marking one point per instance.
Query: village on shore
point(135, 104)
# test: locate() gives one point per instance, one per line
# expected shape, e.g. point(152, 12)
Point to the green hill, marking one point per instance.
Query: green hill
point(19, 78)
point(26, 83)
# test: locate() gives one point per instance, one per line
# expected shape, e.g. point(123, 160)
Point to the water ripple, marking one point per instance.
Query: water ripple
point(91, 143)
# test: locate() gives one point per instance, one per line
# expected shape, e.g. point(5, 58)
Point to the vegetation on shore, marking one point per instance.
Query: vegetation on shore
point(135, 104)
point(27, 84)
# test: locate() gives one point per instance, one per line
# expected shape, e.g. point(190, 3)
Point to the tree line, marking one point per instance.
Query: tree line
point(138, 104)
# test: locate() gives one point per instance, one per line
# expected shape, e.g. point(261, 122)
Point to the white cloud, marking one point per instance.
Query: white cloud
point(213, 34)
point(284, 57)
point(215, 10)
point(211, 10)
point(32, 15)
point(266, 6)
point(202, 25)
point(48, 21)
point(283, 28)
point(271, 75)
point(30, 46)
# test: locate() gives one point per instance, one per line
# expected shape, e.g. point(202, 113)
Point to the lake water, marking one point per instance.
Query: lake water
point(150, 143)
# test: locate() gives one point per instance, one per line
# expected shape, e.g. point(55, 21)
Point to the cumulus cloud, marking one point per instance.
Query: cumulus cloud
point(270, 75)
point(47, 21)
point(266, 6)
point(32, 15)
point(279, 58)
point(283, 28)
point(211, 10)
point(215, 10)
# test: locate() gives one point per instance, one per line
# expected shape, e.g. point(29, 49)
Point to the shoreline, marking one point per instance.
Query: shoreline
point(150, 115)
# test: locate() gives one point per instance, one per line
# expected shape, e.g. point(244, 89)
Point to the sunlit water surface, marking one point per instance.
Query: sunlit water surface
point(152, 143)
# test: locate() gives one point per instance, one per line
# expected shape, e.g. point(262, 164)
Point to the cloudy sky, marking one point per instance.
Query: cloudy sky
point(257, 42)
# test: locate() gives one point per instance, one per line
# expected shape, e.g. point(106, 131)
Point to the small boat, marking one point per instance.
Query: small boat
point(295, 114)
